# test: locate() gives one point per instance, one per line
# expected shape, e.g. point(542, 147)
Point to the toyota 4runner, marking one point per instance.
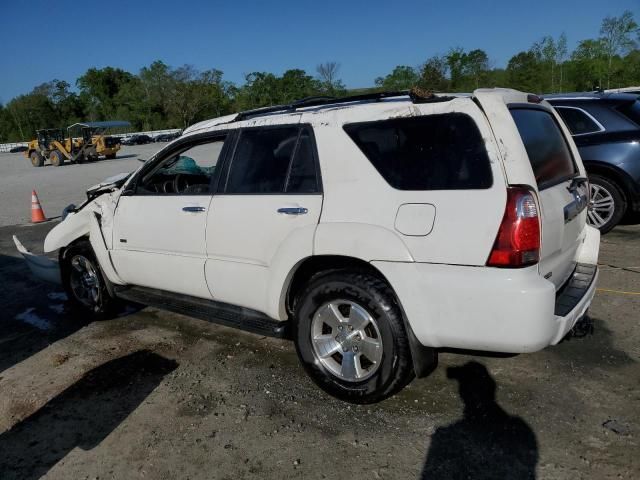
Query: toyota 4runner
point(372, 230)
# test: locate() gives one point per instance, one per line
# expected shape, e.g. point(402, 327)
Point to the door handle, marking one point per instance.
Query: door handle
point(193, 209)
point(293, 210)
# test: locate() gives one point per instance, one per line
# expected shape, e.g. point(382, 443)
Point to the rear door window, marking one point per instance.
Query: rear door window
point(546, 146)
point(273, 160)
point(432, 152)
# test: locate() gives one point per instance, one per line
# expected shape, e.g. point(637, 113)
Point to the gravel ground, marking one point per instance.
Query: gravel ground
point(157, 395)
point(57, 187)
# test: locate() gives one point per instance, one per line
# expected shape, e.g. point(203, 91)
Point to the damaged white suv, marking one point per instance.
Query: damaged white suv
point(373, 230)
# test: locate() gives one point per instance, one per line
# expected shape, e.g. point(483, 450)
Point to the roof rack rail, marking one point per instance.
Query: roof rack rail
point(417, 96)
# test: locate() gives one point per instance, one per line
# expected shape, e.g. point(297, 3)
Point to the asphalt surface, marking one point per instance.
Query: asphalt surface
point(57, 187)
point(157, 395)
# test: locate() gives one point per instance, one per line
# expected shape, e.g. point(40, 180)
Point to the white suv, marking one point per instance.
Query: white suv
point(373, 230)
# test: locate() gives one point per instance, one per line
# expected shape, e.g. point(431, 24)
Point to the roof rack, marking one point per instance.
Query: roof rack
point(415, 95)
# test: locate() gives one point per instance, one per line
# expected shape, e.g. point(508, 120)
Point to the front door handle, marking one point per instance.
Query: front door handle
point(293, 210)
point(193, 209)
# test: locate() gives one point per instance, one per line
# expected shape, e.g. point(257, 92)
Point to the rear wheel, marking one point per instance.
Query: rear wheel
point(56, 158)
point(111, 156)
point(607, 205)
point(84, 281)
point(350, 337)
point(37, 160)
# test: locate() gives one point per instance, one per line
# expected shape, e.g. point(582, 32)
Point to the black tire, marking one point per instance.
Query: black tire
point(619, 202)
point(111, 156)
point(395, 369)
point(56, 158)
point(104, 306)
point(37, 160)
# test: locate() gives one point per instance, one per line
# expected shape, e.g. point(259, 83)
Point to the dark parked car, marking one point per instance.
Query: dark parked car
point(166, 137)
point(137, 140)
point(18, 149)
point(606, 129)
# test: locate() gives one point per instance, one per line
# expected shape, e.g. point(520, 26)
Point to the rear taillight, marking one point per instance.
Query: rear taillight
point(518, 240)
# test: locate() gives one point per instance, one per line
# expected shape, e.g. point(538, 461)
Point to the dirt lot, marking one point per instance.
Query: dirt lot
point(57, 187)
point(158, 395)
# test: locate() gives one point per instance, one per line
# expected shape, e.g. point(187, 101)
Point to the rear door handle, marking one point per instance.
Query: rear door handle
point(193, 209)
point(293, 210)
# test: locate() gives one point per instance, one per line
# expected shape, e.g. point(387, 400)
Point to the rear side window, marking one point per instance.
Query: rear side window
point(433, 152)
point(578, 121)
point(546, 146)
point(273, 160)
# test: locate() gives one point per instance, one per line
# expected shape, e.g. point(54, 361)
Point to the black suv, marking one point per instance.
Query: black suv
point(606, 129)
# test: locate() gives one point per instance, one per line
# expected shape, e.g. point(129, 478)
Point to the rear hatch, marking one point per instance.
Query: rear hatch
point(538, 152)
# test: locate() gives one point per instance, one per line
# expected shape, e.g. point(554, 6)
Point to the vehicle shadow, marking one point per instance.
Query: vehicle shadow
point(487, 443)
point(82, 415)
point(33, 314)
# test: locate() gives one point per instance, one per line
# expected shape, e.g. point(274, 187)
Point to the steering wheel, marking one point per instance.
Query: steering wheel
point(180, 183)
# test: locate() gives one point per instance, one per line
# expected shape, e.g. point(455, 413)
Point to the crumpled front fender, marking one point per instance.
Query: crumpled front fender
point(41, 266)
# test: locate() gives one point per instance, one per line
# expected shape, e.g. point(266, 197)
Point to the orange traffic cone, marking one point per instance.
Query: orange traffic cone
point(37, 214)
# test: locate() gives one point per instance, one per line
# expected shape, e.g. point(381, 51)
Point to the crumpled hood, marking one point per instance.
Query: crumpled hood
point(114, 181)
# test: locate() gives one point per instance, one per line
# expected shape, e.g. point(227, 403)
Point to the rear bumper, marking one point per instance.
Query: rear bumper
point(490, 309)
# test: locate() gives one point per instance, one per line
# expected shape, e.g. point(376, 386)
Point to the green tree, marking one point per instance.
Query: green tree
point(588, 65)
point(524, 72)
point(616, 35)
point(477, 67)
point(401, 78)
point(433, 74)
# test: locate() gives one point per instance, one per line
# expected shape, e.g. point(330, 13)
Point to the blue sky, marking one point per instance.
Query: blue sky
point(43, 40)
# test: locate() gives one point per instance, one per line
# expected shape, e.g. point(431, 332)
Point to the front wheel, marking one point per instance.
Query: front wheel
point(56, 158)
point(84, 282)
point(607, 205)
point(350, 337)
point(37, 160)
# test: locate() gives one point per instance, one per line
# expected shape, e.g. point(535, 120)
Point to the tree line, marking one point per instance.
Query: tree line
point(160, 96)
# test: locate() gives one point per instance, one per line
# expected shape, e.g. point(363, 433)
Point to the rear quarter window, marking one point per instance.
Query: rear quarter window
point(578, 121)
point(546, 146)
point(432, 152)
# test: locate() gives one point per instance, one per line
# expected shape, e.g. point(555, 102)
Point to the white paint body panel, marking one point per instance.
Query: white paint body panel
point(251, 247)
point(165, 246)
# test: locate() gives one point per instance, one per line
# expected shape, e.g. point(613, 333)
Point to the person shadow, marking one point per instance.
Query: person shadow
point(82, 415)
point(487, 443)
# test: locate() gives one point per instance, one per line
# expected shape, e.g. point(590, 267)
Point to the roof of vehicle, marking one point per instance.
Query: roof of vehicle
point(591, 96)
point(107, 124)
point(323, 103)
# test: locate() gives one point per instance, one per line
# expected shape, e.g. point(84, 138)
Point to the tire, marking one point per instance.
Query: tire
point(111, 156)
point(608, 204)
point(37, 160)
point(84, 282)
point(56, 158)
point(359, 298)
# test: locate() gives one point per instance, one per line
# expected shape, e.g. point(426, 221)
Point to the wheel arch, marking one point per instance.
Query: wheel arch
point(613, 174)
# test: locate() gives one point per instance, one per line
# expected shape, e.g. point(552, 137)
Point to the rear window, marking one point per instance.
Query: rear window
point(631, 110)
point(546, 147)
point(578, 121)
point(434, 152)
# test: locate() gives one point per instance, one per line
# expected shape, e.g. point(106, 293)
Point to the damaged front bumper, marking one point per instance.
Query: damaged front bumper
point(41, 266)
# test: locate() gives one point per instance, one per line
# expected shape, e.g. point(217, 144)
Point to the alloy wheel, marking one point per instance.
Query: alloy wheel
point(346, 340)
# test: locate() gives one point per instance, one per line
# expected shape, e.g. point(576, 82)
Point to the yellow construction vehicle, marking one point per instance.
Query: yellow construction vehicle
point(90, 143)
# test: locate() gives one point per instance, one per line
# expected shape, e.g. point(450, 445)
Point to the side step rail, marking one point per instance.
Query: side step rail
point(209, 310)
